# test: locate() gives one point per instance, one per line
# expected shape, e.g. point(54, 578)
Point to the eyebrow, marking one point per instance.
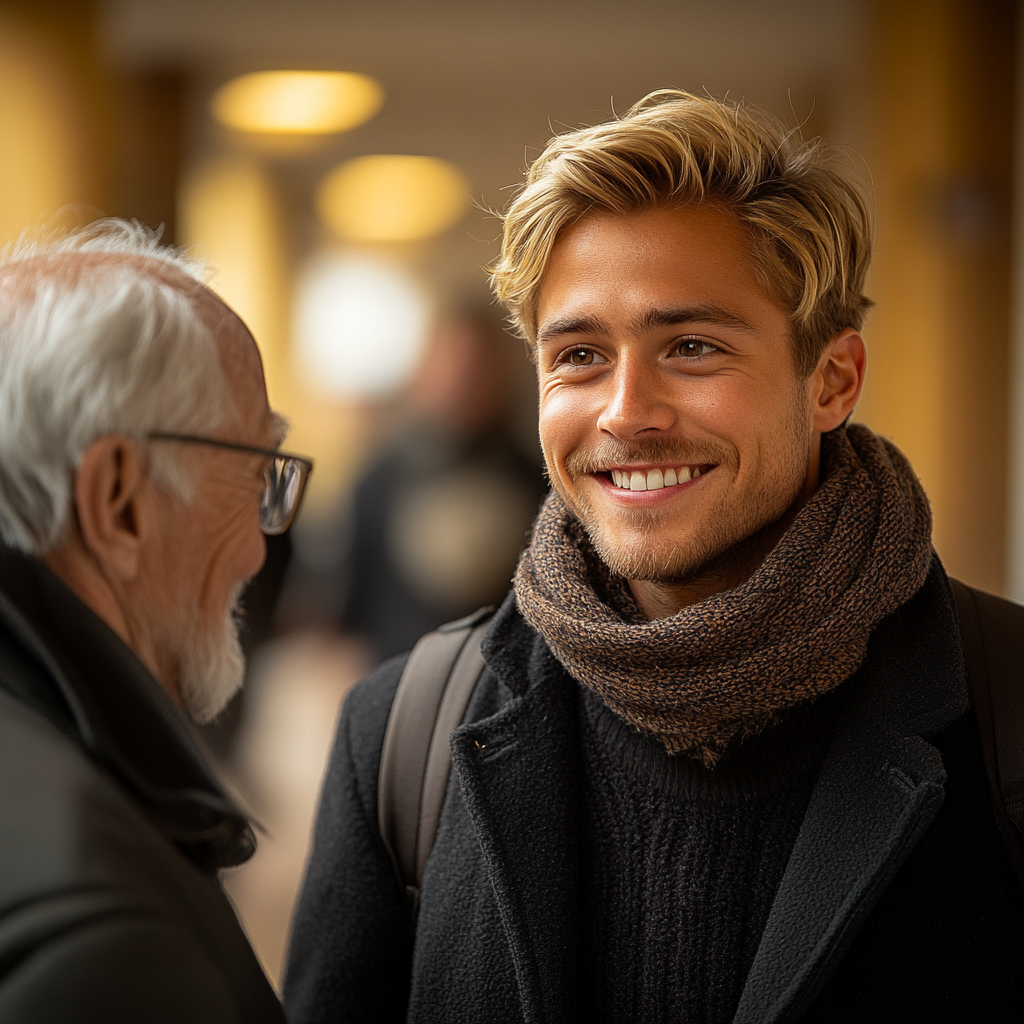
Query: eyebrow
point(704, 313)
point(561, 326)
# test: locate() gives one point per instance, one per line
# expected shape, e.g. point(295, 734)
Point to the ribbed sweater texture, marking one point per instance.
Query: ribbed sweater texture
point(680, 862)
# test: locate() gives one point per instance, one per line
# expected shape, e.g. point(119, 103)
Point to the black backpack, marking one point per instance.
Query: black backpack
point(443, 669)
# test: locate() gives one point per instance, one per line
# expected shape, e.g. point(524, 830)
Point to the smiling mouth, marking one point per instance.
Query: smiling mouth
point(655, 479)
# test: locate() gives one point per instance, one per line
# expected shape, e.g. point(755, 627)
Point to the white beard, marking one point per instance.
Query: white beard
point(211, 665)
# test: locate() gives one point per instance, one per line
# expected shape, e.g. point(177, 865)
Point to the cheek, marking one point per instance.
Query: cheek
point(247, 557)
point(237, 560)
point(254, 556)
point(743, 409)
point(714, 404)
point(783, 435)
point(564, 421)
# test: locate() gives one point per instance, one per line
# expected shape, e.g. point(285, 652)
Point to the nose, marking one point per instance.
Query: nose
point(635, 404)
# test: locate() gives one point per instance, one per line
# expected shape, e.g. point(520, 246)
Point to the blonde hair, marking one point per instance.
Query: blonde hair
point(809, 218)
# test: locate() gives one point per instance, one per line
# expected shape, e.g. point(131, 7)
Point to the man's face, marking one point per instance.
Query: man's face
point(211, 546)
point(672, 418)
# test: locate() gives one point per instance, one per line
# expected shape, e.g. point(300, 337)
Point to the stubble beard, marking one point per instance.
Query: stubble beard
point(729, 536)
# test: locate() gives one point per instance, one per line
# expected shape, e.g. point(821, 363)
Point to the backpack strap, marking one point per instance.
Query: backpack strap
point(992, 633)
point(415, 759)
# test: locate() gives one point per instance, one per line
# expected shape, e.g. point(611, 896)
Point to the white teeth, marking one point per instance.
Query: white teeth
point(696, 472)
point(652, 480)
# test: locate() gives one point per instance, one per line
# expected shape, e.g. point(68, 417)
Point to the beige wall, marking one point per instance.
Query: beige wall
point(1015, 524)
point(939, 339)
point(76, 132)
point(44, 159)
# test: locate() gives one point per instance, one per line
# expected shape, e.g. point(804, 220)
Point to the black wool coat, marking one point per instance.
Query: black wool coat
point(899, 902)
point(112, 829)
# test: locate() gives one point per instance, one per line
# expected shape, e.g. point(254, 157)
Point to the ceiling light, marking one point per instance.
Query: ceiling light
point(360, 325)
point(392, 198)
point(297, 102)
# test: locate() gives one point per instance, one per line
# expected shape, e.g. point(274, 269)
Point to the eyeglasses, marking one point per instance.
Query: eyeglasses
point(285, 478)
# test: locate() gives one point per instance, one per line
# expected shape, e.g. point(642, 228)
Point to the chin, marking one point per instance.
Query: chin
point(212, 666)
point(643, 558)
point(647, 544)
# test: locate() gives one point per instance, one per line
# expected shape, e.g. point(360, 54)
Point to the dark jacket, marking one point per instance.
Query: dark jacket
point(898, 904)
point(112, 828)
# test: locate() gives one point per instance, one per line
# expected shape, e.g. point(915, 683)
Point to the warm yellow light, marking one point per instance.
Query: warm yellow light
point(297, 102)
point(392, 198)
point(42, 165)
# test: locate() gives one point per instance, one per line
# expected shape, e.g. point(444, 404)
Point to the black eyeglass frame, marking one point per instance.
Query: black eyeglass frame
point(233, 446)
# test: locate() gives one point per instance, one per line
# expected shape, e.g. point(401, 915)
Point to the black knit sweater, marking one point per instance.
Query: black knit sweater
point(680, 863)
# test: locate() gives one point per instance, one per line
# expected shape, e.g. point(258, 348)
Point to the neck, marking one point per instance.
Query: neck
point(74, 566)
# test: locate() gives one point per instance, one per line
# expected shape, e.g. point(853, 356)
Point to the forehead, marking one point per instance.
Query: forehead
point(239, 355)
point(242, 363)
point(693, 254)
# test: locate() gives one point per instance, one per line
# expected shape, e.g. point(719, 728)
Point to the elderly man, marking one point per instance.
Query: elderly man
point(139, 471)
point(721, 765)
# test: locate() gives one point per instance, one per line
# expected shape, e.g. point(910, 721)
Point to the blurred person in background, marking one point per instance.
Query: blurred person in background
point(721, 763)
point(436, 522)
point(138, 475)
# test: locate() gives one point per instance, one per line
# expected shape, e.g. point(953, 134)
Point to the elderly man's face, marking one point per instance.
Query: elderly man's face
point(211, 546)
point(672, 418)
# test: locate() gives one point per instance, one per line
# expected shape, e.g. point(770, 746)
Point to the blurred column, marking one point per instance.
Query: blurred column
point(229, 210)
point(1015, 531)
point(939, 340)
point(149, 107)
point(47, 158)
point(76, 131)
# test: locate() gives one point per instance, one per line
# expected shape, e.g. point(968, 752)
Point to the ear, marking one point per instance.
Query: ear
point(110, 495)
point(837, 380)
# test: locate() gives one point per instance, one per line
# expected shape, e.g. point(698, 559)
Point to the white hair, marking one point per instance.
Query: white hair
point(91, 347)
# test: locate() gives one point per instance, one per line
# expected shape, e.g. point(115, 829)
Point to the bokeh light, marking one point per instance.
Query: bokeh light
point(392, 198)
point(297, 102)
point(360, 325)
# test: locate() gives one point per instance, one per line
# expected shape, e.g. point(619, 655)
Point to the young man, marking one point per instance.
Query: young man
point(721, 765)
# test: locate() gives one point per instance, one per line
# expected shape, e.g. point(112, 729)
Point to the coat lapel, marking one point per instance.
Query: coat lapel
point(879, 789)
point(869, 808)
point(517, 771)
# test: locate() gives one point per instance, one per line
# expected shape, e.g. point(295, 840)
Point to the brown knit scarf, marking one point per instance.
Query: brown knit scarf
point(723, 669)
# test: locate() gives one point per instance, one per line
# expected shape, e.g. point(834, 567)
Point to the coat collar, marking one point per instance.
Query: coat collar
point(96, 689)
point(880, 786)
point(517, 771)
